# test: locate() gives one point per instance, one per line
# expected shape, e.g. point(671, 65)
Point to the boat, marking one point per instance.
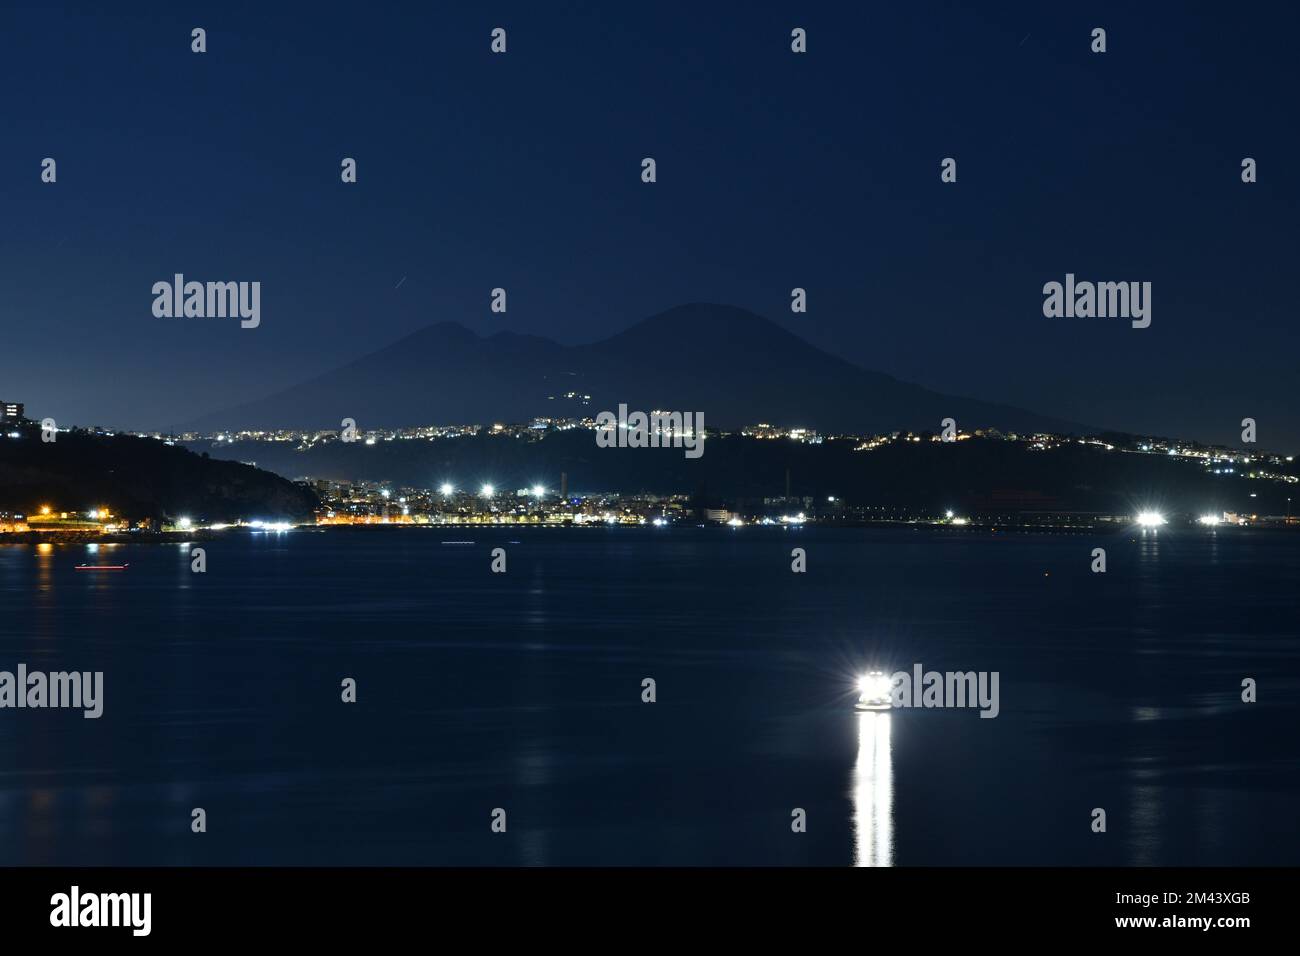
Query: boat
point(874, 688)
point(102, 567)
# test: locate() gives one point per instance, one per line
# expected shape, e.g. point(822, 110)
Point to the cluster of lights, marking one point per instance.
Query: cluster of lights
point(278, 526)
point(447, 489)
point(1150, 519)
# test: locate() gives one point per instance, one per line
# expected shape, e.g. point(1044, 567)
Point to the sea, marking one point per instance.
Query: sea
point(623, 696)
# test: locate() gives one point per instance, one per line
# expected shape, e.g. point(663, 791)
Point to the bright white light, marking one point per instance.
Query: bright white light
point(948, 515)
point(446, 489)
point(94, 515)
point(488, 491)
point(874, 686)
point(1209, 519)
point(961, 521)
point(185, 524)
point(1150, 519)
point(736, 523)
point(538, 491)
point(659, 522)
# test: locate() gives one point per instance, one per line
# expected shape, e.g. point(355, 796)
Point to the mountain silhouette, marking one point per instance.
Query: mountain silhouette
point(735, 367)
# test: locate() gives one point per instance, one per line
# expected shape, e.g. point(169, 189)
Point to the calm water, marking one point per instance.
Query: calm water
point(523, 691)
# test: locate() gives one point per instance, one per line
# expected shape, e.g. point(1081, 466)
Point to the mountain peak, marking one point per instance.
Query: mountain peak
point(697, 319)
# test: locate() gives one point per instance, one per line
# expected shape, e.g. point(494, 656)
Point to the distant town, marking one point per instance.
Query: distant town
point(453, 500)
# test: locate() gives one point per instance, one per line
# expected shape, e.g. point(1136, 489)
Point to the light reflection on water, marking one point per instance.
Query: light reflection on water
point(873, 793)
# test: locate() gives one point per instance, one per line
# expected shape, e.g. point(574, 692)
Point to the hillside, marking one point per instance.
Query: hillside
point(138, 478)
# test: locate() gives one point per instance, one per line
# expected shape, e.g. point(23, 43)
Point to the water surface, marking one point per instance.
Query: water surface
point(523, 691)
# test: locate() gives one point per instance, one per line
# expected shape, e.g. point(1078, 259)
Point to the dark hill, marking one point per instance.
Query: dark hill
point(139, 478)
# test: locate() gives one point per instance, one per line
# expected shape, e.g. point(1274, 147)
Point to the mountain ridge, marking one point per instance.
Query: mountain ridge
point(734, 366)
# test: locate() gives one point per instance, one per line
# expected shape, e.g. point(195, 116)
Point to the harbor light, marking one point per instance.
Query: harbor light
point(185, 524)
point(446, 489)
point(1209, 520)
point(488, 491)
point(1150, 519)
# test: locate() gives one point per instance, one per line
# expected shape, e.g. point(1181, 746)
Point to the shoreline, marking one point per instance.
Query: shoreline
point(81, 538)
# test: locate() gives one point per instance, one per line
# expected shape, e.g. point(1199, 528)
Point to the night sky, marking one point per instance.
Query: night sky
point(775, 170)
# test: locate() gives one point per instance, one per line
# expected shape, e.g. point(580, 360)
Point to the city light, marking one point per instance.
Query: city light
point(1209, 519)
point(278, 526)
point(488, 491)
point(184, 524)
point(446, 489)
point(1150, 519)
point(538, 491)
point(948, 515)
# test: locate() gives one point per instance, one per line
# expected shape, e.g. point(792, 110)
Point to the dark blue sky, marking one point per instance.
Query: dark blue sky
point(775, 171)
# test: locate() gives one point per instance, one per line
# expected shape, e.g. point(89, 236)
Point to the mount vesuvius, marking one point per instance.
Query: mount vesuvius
point(733, 366)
